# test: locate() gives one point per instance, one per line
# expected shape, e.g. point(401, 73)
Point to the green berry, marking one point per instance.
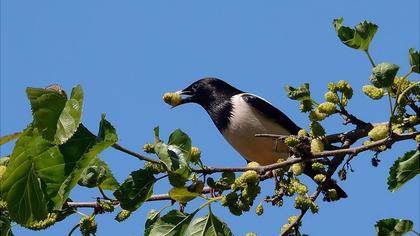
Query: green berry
point(43, 224)
point(253, 164)
point(327, 108)
point(342, 85)
point(284, 227)
point(106, 206)
point(292, 219)
point(418, 138)
point(229, 199)
point(314, 208)
point(378, 132)
point(172, 99)
point(332, 194)
point(297, 168)
point(259, 210)
point(373, 92)
point(319, 178)
point(250, 176)
point(122, 215)
point(318, 167)
point(251, 234)
point(412, 120)
point(155, 168)
point(302, 133)
point(291, 141)
point(88, 225)
point(331, 97)
point(316, 129)
point(195, 154)
point(149, 148)
point(317, 115)
point(332, 87)
point(317, 145)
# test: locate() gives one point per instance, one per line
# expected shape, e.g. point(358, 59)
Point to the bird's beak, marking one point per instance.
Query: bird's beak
point(186, 96)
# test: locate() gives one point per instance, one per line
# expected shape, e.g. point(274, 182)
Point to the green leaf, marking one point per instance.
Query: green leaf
point(10, 137)
point(98, 174)
point(135, 190)
point(414, 58)
point(40, 175)
point(152, 217)
point(70, 116)
point(394, 227)
point(174, 223)
point(182, 195)
point(404, 169)
point(20, 185)
point(209, 225)
point(175, 156)
point(383, 75)
point(358, 37)
point(301, 93)
point(56, 117)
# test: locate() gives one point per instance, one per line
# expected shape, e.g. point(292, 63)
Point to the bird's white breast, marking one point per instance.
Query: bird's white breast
point(246, 121)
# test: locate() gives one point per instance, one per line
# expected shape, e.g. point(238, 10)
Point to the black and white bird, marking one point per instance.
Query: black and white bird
point(239, 116)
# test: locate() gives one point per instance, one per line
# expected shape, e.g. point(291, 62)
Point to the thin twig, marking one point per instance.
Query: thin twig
point(135, 154)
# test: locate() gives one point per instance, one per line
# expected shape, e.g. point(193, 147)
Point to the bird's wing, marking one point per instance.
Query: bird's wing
point(271, 112)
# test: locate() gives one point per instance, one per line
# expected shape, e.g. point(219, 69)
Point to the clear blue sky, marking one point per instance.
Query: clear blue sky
point(126, 54)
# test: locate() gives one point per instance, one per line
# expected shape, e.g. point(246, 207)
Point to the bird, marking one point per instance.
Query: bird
point(239, 116)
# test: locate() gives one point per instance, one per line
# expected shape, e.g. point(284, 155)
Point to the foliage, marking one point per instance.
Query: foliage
point(56, 151)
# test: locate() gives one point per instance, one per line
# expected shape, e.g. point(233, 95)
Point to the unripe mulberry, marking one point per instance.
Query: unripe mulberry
point(319, 178)
point(195, 154)
point(88, 225)
point(302, 133)
point(291, 141)
point(317, 145)
point(172, 99)
point(378, 132)
point(122, 215)
point(297, 168)
point(327, 108)
point(259, 210)
point(373, 92)
point(331, 97)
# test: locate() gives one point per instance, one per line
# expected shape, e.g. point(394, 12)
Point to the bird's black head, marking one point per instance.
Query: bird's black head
point(208, 92)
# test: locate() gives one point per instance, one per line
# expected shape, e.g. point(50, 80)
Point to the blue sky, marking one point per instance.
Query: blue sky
point(126, 54)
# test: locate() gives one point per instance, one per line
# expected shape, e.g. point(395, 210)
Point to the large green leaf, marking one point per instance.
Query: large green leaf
point(209, 225)
point(20, 185)
point(135, 189)
point(393, 227)
point(98, 174)
point(40, 175)
point(404, 169)
point(56, 117)
point(358, 37)
point(174, 223)
point(414, 58)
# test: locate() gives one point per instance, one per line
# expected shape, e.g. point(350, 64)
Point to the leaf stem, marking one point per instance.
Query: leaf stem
point(73, 229)
point(370, 58)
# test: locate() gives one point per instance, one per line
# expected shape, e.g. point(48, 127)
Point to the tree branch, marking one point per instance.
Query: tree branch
point(135, 154)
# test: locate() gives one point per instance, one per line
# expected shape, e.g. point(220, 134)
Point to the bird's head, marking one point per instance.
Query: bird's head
point(207, 91)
